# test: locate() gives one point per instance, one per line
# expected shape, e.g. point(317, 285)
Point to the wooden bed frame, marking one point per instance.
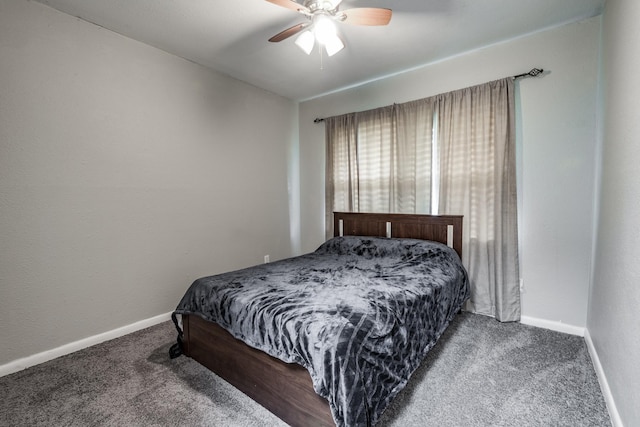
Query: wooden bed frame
point(286, 389)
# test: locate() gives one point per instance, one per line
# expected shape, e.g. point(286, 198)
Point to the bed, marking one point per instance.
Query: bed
point(330, 338)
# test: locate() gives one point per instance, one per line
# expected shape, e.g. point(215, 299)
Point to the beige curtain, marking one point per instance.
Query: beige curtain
point(341, 175)
point(478, 180)
point(387, 160)
point(379, 160)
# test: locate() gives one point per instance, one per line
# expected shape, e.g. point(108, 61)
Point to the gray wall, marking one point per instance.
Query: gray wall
point(556, 149)
point(613, 322)
point(126, 173)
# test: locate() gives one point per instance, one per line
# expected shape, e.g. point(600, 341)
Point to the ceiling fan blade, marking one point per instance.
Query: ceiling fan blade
point(290, 4)
point(289, 32)
point(367, 16)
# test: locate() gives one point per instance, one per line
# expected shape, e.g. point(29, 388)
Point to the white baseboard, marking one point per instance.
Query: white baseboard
point(36, 359)
point(553, 325)
point(616, 421)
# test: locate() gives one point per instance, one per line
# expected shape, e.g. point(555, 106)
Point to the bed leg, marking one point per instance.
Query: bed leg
point(185, 335)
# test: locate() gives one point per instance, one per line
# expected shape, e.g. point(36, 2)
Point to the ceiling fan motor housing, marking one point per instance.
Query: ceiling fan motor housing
point(329, 6)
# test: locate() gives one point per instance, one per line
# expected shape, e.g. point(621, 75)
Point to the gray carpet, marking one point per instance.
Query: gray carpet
point(481, 373)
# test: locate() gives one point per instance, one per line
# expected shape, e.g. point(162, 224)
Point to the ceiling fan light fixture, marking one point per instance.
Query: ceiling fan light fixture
point(333, 45)
point(327, 34)
point(306, 41)
point(324, 28)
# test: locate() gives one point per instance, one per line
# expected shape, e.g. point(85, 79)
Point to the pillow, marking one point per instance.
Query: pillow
point(376, 247)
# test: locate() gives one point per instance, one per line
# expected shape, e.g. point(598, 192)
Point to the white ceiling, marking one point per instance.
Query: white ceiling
point(231, 36)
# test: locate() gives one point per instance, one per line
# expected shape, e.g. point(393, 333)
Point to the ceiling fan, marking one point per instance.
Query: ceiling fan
point(320, 25)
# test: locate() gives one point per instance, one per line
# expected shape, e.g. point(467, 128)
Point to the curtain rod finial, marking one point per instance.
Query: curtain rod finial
point(533, 73)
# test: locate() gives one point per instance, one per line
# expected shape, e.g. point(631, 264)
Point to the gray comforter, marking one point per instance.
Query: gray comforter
point(359, 313)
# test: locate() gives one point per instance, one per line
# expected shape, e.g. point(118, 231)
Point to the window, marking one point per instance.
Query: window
point(452, 154)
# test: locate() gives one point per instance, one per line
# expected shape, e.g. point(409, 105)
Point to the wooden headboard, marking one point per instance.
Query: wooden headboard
point(445, 229)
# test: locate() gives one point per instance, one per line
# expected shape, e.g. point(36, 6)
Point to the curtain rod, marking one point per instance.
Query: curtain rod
point(533, 73)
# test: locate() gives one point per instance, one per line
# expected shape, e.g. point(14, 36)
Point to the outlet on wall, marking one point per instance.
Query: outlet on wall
point(266, 259)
